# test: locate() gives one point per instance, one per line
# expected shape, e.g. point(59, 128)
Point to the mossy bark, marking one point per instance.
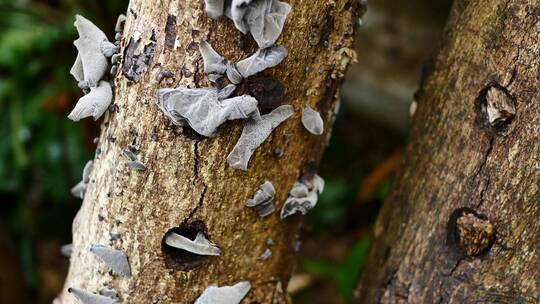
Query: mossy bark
point(456, 163)
point(187, 178)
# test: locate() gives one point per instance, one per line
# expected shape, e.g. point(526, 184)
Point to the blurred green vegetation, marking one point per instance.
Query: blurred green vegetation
point(42, 153)
point(345, 274)
point(358, 167)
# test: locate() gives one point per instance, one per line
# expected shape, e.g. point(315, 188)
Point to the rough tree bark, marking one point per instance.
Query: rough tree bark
point(461, 223)
point(187, 178)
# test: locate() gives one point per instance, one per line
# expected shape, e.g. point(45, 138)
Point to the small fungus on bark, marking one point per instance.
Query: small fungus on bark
point(87, 297)
point(205, 109)
point(312, 121)
point(303, 197)
point(200, 246)
point(80, 189)
point(115, 259)
point(225, 294)
point(255, 132)
point(263, 200)
point(93, 104)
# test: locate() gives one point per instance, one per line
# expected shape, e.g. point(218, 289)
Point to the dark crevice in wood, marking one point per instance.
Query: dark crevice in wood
point(182, 260)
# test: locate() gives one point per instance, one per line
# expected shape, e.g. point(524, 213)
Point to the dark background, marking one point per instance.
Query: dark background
point(42, 153)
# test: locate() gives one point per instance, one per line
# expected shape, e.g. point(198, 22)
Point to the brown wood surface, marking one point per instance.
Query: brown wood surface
point(187, 177)
point(456, 163)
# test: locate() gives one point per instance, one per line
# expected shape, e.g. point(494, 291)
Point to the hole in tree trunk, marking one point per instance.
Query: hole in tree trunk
point(182, 260)
point(469, 232)
point(268, 91)
point(495, 108)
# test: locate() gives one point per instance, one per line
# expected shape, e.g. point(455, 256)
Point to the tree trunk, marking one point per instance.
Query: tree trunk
point(187, 180)
point(461, 223)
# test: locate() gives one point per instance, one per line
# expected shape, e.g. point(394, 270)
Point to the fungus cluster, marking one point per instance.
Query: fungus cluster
point(118, 28)
point(263, 200)
point(116, 260)
point(133, 161)
point(89, 69)
point(86, 297)
point(96, 55)
point(80, 188)
point(264, 19)
point(204, 110)
point(303, 196)
point(261, 60)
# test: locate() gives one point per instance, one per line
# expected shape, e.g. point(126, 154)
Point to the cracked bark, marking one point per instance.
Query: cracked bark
point(455, 159)
point(187, 178)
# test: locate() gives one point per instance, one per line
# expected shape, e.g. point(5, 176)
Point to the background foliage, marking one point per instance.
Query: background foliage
point(42, 153)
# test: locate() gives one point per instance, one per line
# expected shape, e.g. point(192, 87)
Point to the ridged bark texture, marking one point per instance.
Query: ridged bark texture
point(187, 178)
point(461, 223)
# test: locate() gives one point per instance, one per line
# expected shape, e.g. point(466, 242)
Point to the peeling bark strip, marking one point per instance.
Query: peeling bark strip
point(470, 171)
point(187, 179)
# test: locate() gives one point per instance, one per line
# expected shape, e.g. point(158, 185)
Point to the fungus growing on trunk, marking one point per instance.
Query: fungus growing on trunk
point(225, 294)
point(187, 247)
point(263, 18)
point(213, 62)
point(266, 254)
point(115, 259)
point(261, 60)
point(94, 48)
point(201, 245)
point(303, 197)
point(214, 8)
point(87, 297)
point(263, 200)
point(94, 103)
point(255, 133)
point(116, 58)
point(66, 250)
point(205, 109)
point(108, 292)
point(120, 22)
point(312, 121)
point(136, 165)
point(80, 188)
